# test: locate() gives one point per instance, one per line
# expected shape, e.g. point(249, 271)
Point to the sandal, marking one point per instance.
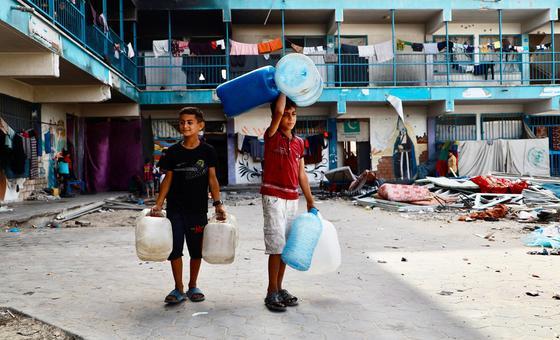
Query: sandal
point(195, 295)
point(274, 303)
point(287, 298)
point(175, 297)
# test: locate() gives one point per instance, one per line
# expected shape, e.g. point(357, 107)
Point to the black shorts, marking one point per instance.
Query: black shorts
point(187, 227)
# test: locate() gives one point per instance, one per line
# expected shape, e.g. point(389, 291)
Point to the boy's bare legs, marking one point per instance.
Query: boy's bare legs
point(177, 269)
point(194, 270)
point(281, 271)
point(276, 270)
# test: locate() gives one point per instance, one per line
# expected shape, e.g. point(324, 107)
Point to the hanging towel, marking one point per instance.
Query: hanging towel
point(130, 51)
point(331, 58)
point(384, 51)
point(103, 23)
point(366, 51)
point(518, 48)
point(431, 48)
point(416, 47)
point(160, 47)
point(270, 46)
point(443, 44)
point(221, 43)
point(238, 48)
point(297, 48)
point(496, 44)
point(10, 137)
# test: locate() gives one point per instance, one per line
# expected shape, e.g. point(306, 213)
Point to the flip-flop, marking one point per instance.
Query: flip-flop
point(287, 298)
point(195, 294)
point(274, 303)
point(175, 297)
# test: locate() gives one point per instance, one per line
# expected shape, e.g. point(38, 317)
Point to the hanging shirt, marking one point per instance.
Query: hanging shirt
point(281, 166)
point(47, 138)
point(431, 48)
point(270, 46)
point(416, 47)
point(238, 48)
point(130, 51)
point(366, 51)
point(384, 51)
point(221, 44)
point(160, 47)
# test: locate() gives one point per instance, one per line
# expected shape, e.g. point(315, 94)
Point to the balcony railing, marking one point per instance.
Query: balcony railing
point(70, 16)
point(406, 69)
point(344, 70)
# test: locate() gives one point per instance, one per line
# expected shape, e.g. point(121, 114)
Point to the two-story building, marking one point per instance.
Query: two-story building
point(105, 80)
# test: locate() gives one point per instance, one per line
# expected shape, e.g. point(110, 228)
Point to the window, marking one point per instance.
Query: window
point(455, 127)
point(504, 126)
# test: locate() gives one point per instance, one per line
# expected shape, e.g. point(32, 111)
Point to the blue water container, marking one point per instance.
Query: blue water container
point(302, 240)
point(248, 91)
point(298, 78)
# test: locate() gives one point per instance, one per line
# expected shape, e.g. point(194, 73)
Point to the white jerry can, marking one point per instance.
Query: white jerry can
point(220, 240)
point(154, 237)
point(327, 256)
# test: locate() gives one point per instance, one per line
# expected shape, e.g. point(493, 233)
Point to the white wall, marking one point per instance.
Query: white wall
point(251, 34)
point(377, 33)
point(456, 28)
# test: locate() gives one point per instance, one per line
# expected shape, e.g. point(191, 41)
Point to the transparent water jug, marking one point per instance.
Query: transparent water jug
point(298, 78)
point(220, 240)
point(248, 91)
point(154, 237)
point(326, 257)
point(302, 240)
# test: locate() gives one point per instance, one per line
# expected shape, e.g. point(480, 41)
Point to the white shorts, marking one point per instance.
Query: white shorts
point(278, 217)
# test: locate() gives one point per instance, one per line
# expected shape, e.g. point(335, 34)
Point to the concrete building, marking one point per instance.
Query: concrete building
point(63, 71)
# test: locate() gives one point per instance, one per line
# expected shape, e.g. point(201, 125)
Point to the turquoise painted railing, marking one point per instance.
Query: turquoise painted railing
point(70, 16)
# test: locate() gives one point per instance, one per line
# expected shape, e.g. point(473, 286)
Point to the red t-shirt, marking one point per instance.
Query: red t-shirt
point(281, 166)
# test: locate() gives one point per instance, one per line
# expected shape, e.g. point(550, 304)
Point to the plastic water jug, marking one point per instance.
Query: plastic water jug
point(302, 240)
point(298, 78)
point(248, 91)
point(220, 240)
point(326, 258)
point(154, 237)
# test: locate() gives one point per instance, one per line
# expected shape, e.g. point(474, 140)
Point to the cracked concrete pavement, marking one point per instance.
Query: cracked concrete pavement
point(453, 285)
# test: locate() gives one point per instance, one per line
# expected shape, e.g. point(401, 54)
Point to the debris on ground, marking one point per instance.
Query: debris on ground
point(548, 237)
point(532, 293)
point(16, 325)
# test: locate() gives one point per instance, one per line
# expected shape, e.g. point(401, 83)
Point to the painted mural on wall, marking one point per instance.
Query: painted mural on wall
point(391, 138)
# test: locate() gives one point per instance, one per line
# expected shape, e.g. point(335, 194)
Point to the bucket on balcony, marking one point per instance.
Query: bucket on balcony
point(298, 78)
point(248, 91)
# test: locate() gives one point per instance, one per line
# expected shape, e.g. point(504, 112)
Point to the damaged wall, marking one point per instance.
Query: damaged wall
point(383, 133)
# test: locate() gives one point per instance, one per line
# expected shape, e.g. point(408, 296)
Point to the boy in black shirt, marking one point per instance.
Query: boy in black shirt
point(190, 170)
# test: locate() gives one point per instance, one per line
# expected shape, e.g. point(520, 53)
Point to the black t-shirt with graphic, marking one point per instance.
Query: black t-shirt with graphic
point(189, 188)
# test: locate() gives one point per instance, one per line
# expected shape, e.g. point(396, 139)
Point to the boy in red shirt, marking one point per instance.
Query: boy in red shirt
point(283, 172)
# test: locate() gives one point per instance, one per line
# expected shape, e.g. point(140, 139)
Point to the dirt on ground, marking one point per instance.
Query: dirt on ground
point(15, 325)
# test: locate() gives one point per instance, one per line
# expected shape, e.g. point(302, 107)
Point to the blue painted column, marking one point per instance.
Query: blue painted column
point(231, 142)
point(51, 9)
point(170, 70)
point(525, 61)
point(447, 51)
point(339, 56)
point(121, 22)
point(553, 51)
point(333, 141)
point(83, 21)
point(501, 47)
point(394, 47)
point(283, 35)
point(135, 56)
point(227, 50)
point(106, 40)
